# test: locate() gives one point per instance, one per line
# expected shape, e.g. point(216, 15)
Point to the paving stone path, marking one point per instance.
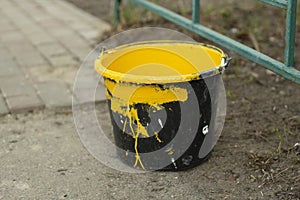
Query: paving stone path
point(42, 45)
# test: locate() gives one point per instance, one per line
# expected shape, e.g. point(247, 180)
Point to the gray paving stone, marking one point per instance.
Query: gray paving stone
point(55, 94)
point(52, 24)
point(12, 79)
point(63, 60)
point(6, 26)
point(62, 32)
point(18, 47)
point(80, 26)
point(31, 59)
point(40, 15)
point(86, 82)
point(41, 18)
point(9, 68)
point(3, 107)
point(5, 55)
point(16, 85)
point(19, 18)
point(29, 6)
point(36, 73)
point(23, 103)
point(73, 41)
point(81, 53)
point(90, 35)
point(65, 12)
point(89, 95)
point(12, 36)
point(40, 37)
point(31, 28)
point(21, 21)
point(52, 49)
point(47, 73)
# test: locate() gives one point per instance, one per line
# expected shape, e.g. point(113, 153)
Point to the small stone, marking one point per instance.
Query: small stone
point(269, 72)
point(234, 30)
point(282, 93)
point(255, 75)
point(273, 89)
point(272, 39)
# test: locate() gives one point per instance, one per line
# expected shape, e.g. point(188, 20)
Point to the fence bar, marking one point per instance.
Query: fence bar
point(291, 16)
point(240, 49)
point(278, 3)
point(117, 12)
point(196, 11)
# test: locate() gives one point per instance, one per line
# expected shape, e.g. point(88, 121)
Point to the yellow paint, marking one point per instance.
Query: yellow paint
point(157, 138)
point(129, 94)
point(170, 152)
point(158, 62)
point(133, 73)
point(141, 129)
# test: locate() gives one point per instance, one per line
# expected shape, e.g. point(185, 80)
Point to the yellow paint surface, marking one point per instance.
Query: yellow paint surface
point(158, 62)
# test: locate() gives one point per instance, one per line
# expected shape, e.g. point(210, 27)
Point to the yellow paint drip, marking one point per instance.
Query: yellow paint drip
point(157, 138)
point(135, 134)
point(148, 74)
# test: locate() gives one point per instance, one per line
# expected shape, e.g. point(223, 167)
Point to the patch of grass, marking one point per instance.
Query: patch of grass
point(285, 147)
point(260, 161)
point(295, 160)
point(133, 14)
point(231, 95)
point(183, 11)
point(226, 13)
point(249, 78)
point(279, 135)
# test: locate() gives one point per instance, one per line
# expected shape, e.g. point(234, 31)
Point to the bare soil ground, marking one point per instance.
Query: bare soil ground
point(255, 158)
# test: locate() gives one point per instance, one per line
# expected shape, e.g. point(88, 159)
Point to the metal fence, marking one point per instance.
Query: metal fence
point(286, 69)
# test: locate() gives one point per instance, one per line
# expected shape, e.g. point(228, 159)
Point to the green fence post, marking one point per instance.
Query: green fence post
point(117, 12)
point(196, 11)
point(290, 33)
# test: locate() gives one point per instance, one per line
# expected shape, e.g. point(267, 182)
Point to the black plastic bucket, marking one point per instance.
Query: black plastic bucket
point(159, 101)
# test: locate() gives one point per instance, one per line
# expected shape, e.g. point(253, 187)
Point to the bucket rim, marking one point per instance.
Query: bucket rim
point(142, 79)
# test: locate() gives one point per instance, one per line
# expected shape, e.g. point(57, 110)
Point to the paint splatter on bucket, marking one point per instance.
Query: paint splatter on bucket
point(159, 101)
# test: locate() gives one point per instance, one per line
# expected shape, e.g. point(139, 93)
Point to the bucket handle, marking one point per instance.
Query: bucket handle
point(226, 62)
point(102, 50)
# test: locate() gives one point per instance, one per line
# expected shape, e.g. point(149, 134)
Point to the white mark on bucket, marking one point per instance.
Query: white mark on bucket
point(122, 121)
point(173, 161)
point(205, 130)
point(160, 123)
